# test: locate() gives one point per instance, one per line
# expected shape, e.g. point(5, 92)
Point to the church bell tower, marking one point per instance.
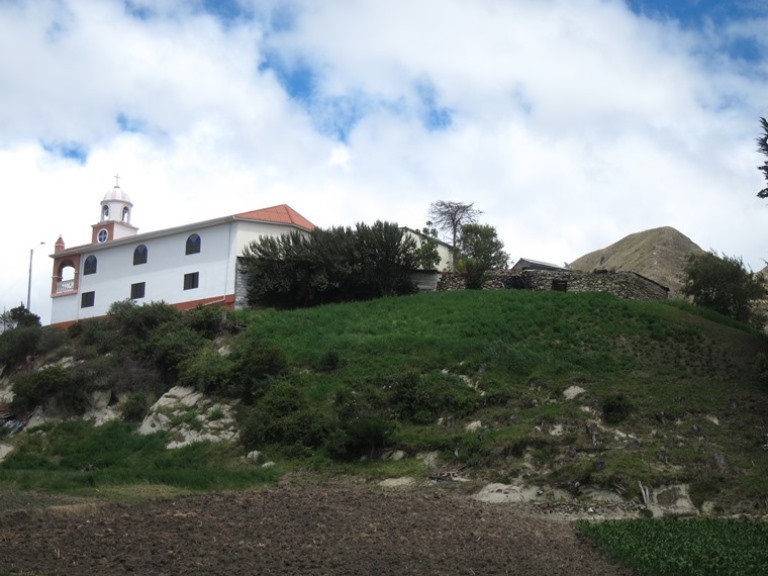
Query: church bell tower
point(115, 221)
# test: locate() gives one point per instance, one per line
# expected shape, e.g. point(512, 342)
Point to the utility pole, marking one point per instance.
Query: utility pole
point(29, 283)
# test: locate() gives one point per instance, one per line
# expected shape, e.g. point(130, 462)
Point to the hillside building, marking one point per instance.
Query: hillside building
point(184, 266)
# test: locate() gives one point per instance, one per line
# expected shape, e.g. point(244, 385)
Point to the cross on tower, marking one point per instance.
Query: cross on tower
point(117, 180)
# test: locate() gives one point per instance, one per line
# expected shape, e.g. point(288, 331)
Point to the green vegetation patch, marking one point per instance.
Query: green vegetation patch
point(670, 547)
point(77, 457)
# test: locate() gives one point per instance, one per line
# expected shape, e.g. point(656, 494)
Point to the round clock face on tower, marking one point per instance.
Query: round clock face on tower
point(102, 236)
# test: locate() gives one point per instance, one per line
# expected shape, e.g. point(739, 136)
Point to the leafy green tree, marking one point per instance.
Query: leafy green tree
point(427, 256)
point(762, 147)
point(451, 217)
point(338, 264)
point(481, 251)
point(18, 317)
point(722, 284)
point(386, 257)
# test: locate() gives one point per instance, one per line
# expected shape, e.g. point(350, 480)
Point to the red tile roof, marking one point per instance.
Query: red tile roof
point(282, 214)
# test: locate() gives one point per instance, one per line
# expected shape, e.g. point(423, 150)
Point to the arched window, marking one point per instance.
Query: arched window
point(90, 265)
point(104, 212)
point(193, 244)
point(126, 212)
point(140, 255)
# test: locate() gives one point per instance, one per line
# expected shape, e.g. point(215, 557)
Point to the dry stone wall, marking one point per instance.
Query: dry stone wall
point(629, 285)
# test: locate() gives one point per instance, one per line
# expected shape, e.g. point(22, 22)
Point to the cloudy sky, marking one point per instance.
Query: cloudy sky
point(569, 123)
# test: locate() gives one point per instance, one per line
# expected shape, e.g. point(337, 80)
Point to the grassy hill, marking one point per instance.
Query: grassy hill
point(557, 388)
point(659, 254)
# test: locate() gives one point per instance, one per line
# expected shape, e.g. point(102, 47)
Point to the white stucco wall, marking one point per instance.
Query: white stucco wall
point(163, 273)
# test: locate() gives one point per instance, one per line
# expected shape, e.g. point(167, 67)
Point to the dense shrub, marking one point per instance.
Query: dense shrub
point(616, 408)
point(330, 361)
point(423, 398)
point(723, 284)
point(54, 383)
point(283, 416)
point(363, 426)
point(98, 334)
point(169, 345)
point(253, 363)
point(207, 371)
point(52, 340)
point(334, 265)
point(138, 321)
point(18, 344)
point(134, 407)
point(208, 321)
point(761, 368)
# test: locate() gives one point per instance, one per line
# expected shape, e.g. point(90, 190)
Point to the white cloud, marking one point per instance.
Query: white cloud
point(569, 123)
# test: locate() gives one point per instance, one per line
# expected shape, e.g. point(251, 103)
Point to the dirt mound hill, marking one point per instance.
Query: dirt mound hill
point(658, 254)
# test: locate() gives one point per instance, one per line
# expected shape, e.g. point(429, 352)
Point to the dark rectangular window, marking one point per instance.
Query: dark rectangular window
point(191, 280)
point(137, 290)
point(87, 299)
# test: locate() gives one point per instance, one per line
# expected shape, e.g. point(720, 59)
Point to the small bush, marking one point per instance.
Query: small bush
point(18, 344)
point(169, 345)
point(208, 321)
point(616, 408)
point(51, 340)
point(366, 435)
point(207, 371)
point(253, 363)
point(134, 407)
point(32, 389)
point(138, 321)
point(330, 362)
point(283, 416)
point(761, 368)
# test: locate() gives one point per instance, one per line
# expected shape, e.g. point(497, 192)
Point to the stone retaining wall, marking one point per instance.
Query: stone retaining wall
point(629, 285)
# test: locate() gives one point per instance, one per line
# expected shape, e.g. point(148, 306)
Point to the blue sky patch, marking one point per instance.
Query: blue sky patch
point(282, 19)
point(298, 80)
point(67, 150)
point(227, 11)
point(138, 11)
point(708, 14)
point(128, 124)
point(433, 116)
point(337, 116)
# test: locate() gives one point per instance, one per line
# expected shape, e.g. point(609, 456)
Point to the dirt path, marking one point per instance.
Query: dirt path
point(336, 530)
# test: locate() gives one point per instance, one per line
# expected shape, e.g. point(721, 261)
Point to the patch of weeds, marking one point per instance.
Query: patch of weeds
point(616, 408)
point(188, 418)
point(134, 407)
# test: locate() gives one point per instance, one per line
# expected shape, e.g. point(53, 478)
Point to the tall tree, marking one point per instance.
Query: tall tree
point(762, 146)
point(427, 255)
point(723, 284)
point(338, 264)
point(481, 251)
point(451, 217)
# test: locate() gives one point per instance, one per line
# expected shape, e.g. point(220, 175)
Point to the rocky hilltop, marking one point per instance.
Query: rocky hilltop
point(658, 254)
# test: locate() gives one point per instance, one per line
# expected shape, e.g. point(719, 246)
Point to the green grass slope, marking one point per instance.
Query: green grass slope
point(553, 388)
point(696, 408)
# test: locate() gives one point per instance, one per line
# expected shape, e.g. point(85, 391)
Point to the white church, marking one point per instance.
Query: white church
point(185, 266)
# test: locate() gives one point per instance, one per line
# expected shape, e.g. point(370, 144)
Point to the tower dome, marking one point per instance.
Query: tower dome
point(117, 194)
point(115, 219)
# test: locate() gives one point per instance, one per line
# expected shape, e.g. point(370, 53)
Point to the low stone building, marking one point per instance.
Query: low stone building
point(629, 285)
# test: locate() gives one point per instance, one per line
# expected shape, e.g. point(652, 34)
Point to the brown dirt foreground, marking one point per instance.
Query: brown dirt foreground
point(297, 530)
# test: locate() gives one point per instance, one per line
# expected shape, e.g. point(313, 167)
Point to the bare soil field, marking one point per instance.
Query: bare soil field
point(339, 529)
